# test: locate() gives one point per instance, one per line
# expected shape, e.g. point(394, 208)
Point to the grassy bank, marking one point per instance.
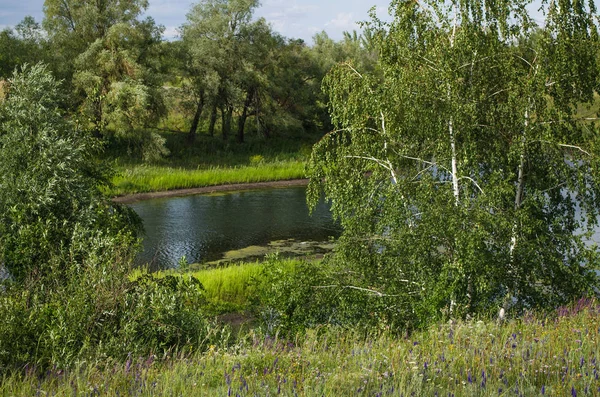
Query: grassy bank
point(229, 288)
point(210, 161)
point(142, 178)
point(536, 355)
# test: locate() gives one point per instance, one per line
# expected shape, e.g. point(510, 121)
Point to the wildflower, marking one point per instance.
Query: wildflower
point(543, 389)
point(573, 392)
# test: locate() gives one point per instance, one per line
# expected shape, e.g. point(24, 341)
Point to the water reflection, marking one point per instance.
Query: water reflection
point(203, 227)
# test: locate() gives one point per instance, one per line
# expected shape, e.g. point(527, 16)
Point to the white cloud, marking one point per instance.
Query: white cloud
point(343, 21)
point(171, 32)
point(286, 16)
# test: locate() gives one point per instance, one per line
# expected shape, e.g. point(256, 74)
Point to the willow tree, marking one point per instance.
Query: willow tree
point(460, 170)
point(110, 57)
point(215, 36)
point(118, 81)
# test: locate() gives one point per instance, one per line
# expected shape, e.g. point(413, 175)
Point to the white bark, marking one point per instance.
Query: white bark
point(455, 186)
point(520, 181)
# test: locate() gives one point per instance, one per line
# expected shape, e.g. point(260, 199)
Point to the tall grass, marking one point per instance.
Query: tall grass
point(232, 287)
point(144, 178)
point(536, 355)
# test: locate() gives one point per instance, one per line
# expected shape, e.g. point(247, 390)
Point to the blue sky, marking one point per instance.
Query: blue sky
point(292, 18)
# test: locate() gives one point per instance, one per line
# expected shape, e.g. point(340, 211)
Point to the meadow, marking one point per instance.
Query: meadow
point(551, 354)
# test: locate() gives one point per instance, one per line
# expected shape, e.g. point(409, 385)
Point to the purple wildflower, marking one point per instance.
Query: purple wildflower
point(573, 392)
point(543, 389)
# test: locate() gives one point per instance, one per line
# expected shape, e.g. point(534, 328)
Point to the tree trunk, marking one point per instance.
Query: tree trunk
point(196, 120)
point(243, 117)
point(97, 130)
point(213, 120)
point(226, 114)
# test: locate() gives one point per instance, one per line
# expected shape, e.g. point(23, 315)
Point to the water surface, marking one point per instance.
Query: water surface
point(203, 227)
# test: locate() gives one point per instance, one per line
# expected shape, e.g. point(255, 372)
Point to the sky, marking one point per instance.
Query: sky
point(292, 18)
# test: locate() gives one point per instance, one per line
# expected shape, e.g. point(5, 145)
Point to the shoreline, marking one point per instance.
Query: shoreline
point(135, 197)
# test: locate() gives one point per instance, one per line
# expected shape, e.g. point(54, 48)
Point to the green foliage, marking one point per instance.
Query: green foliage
point(120, 90)
point(24, 44)
point(286, 296)
point(459, 173)
point(95, 312)
point(116, 70)
point(50, 179)
point(164, 313)
point(238, 66)
point(298, 296)
point(74, 25)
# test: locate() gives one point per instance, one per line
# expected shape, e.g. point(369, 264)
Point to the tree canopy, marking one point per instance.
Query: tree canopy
point(459, 169)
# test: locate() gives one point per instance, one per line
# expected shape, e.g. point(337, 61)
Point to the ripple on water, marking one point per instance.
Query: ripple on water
point(204, 227)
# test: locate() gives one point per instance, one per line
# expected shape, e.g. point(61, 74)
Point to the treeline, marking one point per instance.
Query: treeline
point(228, 74)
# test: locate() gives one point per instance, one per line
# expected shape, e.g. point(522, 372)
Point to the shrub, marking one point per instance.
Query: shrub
point(50, 180)
point(97, 313)
point(295, 296)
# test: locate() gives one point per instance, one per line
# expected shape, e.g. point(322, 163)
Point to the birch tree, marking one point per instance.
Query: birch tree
point(460, 170)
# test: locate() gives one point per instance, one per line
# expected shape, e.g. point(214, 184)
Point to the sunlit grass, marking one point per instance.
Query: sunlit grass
point(229, 287)
point(160, 178)
point(552, 355)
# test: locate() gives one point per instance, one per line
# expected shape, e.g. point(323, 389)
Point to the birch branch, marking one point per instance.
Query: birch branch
point(567, 146)
point(376, 160)
point(475, 183)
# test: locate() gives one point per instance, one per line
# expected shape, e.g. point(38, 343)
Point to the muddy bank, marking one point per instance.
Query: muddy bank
point(132, 198)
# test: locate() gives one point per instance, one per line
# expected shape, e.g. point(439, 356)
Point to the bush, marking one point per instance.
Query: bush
point(294, 297)
point(50, 180)
point(97, 313)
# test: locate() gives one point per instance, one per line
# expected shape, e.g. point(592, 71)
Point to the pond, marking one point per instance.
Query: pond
point(205, 228)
